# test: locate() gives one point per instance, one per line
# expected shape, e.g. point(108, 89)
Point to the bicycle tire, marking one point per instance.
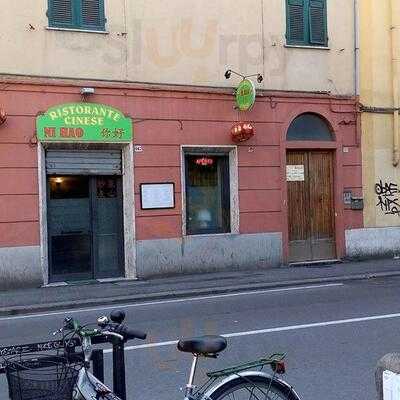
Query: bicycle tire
point(241, 388)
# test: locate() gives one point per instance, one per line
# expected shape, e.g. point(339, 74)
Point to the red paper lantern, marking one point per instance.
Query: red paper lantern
point(3, 116)
point(242, 131)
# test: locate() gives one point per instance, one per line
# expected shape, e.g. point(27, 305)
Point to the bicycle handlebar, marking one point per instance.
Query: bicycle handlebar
point(117, 330)
point(129, 334)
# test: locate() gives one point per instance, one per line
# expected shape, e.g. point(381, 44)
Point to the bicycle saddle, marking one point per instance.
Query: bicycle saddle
point(204, 345)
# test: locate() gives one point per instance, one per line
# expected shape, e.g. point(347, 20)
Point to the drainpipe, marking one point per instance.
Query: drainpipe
point(395, 80)
point(357, 71)
point(356, 51)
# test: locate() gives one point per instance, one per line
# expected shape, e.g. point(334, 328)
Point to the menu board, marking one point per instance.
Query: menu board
point(157, 195)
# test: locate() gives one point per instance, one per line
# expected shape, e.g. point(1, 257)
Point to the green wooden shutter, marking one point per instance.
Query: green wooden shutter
point(317, 22)
point(60, 13)
point(93, 14)
point(296, 25)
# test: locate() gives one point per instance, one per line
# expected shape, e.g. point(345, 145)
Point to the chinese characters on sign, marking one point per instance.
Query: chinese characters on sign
point(117, 133)
point(388, 197)
point(245, 95)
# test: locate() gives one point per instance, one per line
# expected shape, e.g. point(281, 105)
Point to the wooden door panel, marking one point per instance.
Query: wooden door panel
point(298, 200)
point(299, 211)
point(321, 204)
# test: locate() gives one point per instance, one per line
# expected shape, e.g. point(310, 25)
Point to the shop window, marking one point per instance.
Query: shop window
point(77, 14)
point(208, 208)
point(306, 22)
point(309, 126)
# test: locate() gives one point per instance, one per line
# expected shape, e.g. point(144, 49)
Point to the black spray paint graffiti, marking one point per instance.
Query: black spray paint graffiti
point(388, 199)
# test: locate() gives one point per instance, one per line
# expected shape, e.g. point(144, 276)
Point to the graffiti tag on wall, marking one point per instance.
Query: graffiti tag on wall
point(388, 197)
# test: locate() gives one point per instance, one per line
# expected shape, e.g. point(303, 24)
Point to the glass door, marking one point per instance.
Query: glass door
point(69, 228)
point(85, 227)
point(107, 226)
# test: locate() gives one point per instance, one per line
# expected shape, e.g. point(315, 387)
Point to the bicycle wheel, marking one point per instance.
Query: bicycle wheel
point(253, 388)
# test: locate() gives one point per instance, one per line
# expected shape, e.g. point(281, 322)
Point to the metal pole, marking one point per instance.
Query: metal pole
point(119, 385)
point(190, 386)
point(98, 364)
point(356, 49)
point(389, 362)
point(395, 80)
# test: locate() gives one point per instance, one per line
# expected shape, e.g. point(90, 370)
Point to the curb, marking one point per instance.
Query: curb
point(146, 297)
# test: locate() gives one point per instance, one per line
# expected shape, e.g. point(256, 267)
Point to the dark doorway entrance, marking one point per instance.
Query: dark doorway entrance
point(310, 206)
point(85, 227)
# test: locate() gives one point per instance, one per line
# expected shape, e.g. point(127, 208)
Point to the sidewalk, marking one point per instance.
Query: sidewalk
point(97, 294)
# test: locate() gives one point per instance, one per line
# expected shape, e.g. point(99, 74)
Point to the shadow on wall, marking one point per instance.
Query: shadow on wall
point(20, 267)
point(211, 253)
point(373, 242)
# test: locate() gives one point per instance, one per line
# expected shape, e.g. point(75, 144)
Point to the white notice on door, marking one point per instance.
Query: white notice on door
point(294, 173)
point(391, 385)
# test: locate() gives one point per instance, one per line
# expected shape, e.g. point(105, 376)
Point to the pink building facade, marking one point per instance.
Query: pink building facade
point(173, 127)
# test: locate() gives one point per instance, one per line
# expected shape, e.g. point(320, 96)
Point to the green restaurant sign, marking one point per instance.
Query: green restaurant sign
point(245, 95)
point(83, 122)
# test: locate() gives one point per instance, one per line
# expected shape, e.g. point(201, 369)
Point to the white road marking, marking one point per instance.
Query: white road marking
point(181, 300)
point(273, 330)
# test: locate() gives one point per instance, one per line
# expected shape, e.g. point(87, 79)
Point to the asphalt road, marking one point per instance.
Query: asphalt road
point(333, 336)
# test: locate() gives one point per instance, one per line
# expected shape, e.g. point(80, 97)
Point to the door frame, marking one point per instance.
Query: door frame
point(336, 147)
point(128, 201)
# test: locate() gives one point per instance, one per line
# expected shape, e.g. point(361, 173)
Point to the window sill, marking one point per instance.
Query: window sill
point(301, 46)
point(53, 28)
point(210, 234)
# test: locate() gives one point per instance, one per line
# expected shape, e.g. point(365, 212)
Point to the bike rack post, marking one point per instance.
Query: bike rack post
point(98, 364)
point(119, 384)
point(389, 362)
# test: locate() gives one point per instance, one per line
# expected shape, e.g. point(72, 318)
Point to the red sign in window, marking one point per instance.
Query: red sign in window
point(204, 161)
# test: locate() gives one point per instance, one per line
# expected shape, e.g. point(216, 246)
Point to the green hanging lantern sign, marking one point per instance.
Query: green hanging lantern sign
point(84, 122)
point(245, 95)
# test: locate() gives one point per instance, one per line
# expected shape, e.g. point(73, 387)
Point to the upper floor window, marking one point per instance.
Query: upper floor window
point(77, 14)
point(306, 22)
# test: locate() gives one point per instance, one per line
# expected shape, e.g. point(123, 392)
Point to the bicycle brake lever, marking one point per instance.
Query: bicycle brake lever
point(117, 335)
point(57, 332)
point(103, 321)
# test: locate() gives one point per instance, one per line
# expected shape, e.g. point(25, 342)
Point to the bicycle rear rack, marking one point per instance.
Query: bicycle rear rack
point(272, 360)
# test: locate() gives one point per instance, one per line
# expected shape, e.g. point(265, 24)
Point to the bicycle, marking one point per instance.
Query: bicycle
point(235, 383)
